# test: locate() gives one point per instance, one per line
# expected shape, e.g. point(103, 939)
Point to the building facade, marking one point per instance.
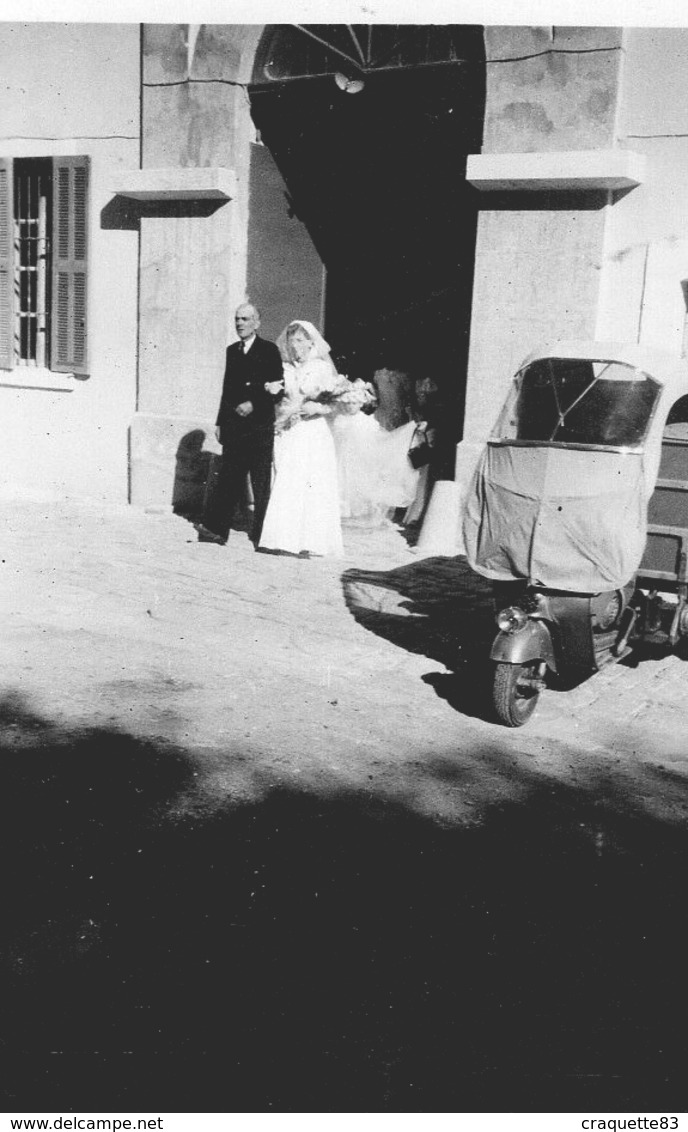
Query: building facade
point(444, 199)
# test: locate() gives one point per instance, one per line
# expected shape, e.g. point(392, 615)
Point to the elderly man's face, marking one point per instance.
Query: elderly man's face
point(246, 321)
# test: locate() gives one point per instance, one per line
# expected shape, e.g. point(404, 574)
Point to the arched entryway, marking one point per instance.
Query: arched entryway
point(369, 128)
point(366, 131)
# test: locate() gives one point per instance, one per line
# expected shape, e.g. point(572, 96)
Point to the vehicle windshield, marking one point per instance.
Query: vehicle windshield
point(578, 401)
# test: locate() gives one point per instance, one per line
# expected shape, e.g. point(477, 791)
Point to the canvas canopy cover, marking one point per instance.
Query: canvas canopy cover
point(560, 494)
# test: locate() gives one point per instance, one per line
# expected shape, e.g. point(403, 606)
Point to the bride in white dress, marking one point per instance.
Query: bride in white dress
point(303, 513)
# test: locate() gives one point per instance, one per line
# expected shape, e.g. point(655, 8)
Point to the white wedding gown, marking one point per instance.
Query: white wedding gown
point(375, 473)
point(303, 512)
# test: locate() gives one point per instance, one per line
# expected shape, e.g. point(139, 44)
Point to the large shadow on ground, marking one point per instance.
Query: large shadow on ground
point(329, 952)
point(437, 607)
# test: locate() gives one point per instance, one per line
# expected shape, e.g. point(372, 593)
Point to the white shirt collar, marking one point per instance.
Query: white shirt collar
point(247, 343)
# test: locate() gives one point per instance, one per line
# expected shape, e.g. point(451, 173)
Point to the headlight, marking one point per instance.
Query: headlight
point(511, 619)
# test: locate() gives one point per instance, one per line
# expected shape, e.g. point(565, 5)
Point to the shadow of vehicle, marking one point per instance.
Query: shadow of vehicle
point(437, 607)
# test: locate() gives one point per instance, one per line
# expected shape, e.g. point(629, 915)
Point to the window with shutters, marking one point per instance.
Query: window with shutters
point(32, 238)
point(43, 264)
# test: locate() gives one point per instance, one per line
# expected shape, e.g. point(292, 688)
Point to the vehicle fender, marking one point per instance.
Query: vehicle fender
point(532, 642)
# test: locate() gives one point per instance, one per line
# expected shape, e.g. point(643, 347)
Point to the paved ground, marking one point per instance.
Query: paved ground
point(270, 850)
point(311, 669)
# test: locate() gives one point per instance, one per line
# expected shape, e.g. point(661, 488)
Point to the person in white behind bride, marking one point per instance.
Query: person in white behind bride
point(376, 474)
point(303, 514)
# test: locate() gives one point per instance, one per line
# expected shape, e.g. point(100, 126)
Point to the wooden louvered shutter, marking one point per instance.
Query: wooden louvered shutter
point(68, 337)
point(6, 265)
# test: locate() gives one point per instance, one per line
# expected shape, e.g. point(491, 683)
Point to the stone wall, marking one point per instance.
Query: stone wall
point(646, 246)
point(539, 254)
point(193, 254)
point(74, 89)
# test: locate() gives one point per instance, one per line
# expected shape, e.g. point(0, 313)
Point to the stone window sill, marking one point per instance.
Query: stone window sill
point(33, 377)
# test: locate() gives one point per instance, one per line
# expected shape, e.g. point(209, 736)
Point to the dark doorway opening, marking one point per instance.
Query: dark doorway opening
point(374, 168)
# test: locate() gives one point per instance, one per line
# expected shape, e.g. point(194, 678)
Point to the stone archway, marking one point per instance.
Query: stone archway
point(370, 128)
point(196, 114)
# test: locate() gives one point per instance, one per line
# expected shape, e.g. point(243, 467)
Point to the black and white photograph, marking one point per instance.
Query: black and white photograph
point(344, 559)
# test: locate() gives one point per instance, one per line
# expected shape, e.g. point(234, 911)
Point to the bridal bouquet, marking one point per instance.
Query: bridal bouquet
point(349, 396)
point(344, 397)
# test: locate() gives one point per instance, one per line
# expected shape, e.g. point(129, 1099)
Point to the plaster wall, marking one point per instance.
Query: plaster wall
point(536, 279)
point(193, 257)
point(74, 89)
point(284, 272)
point(196, 113)
point(538, 254)
point(184, 286)
point(550, 88)
point(646, 245)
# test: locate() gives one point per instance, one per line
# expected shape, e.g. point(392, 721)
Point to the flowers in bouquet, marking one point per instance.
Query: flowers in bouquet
point(349, 396)
point(342, 396)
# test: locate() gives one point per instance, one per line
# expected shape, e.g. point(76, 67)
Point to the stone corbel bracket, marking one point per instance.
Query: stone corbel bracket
point(572, 170)
point(176, 184)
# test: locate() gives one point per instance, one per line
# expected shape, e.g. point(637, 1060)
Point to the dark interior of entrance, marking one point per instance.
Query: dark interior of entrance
point(375, 171)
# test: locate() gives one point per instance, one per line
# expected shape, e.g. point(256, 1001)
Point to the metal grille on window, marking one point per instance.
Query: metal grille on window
point(32, 212)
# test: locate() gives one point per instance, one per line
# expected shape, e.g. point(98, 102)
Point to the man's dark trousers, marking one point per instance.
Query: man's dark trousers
point(247, 441)
point(244, 451)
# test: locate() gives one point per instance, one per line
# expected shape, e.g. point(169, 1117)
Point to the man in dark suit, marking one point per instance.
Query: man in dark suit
point(245, 427)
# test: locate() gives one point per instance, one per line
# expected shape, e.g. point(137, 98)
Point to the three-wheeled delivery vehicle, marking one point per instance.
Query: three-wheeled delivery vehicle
point(578, 512)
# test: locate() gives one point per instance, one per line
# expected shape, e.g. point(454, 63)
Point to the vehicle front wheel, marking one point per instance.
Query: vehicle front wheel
point(515, 692)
